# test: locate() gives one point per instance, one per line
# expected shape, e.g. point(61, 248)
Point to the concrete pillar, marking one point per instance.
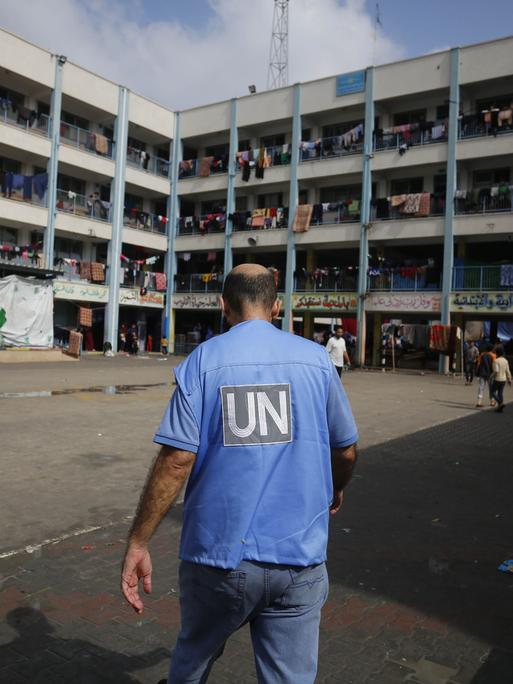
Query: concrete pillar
point(365, 214)
point(53, 162)
point(454, 106)
point(230, 197)
point(118, 204)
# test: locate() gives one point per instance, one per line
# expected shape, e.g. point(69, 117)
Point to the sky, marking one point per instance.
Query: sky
point(184, 53)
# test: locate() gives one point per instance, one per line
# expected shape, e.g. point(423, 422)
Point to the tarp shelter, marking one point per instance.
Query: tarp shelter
point(26, 312)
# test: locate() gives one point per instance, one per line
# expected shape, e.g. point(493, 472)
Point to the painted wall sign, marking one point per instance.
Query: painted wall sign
point(196, 301)
point(89, 292)
point(327, 301)
point(411, 302)
point(354, 82)
point(482, 302)
point(81, 292)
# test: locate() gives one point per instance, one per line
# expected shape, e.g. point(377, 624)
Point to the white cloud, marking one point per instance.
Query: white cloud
point(182, 67)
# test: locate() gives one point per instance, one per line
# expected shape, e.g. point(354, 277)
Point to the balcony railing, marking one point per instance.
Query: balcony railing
point(192, 167)
point(474, 127)
point(388, 140)
point(339, 212)
point(144, 220)
point(199, 282)
point(483, 277)
point(18, 195)
point(328, 148)
point(275, 218)
point(88, 141)
point(80, 205)
point(201, 225)
point(34, 123)
point(147, 162)
point(343, 281)
point(481, 202)
point(405, 278)
point(383, 209)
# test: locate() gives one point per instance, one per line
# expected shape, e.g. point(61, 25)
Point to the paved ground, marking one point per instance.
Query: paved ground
point(415, 593)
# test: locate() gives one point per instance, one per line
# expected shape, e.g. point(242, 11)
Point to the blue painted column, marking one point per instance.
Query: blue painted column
point(173, 211)
point(230, 195)
point(53, 162)
point(450, 191)
point(118, 205)
point(365, 214)
point(288, 313)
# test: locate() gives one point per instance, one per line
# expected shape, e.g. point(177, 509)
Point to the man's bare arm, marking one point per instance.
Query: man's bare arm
point(165, 480)
point(343, 461)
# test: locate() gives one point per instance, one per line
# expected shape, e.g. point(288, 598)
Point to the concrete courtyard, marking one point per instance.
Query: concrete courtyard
point(415, 591)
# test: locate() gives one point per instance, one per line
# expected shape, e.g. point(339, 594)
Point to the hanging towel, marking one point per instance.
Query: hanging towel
point(75, 343)
point(302, 218)
point(205, 165)
point(97, 272)
point(101, 144)
point(85, 270)
point(424, 204)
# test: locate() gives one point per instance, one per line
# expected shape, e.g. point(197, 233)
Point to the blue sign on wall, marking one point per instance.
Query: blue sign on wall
point(353, 82)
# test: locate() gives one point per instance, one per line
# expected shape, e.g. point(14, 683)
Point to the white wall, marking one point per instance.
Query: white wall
point(26, 59)
point(88, 87)
point(150, 115)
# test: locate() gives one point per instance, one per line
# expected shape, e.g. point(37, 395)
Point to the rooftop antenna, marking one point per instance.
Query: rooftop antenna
point(377, 22)
point(278, 74)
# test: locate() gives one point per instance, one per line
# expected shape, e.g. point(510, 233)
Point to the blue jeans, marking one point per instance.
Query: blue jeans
point(281, 603)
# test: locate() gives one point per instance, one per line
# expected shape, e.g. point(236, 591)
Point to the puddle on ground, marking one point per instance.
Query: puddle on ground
point(100, 389)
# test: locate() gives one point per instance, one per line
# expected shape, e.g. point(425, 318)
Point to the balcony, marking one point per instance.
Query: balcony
point(331, 279)
point(475, 127)
point(329, 148)
point(90, 207)
point(144, 220)
point(85, 140)
point(275, 218)
point(413, 205)
point(146, 280)
point(483, 277)
point(199, 282)
point(81, 272)
point(143, 161)
point(410, 135)
point(201, 225)
point(481, 201)
point(203, 168)
point(400, 279)
point(31, 122)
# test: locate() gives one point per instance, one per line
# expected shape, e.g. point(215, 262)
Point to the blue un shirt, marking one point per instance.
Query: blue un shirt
point(261, 409)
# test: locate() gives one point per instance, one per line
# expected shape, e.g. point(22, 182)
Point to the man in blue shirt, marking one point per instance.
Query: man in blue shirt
point(261, 426)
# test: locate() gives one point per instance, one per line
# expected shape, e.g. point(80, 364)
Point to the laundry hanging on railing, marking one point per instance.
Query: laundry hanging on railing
point(11, 182)
point(507, 275)
point(417, 204)
point(302, 218)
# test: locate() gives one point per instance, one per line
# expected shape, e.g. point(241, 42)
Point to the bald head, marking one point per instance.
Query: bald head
point(249, 288)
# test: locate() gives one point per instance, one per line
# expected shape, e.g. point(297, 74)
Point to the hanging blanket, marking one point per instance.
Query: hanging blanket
point(205, 165)
point(302, 218)
point(85, 317)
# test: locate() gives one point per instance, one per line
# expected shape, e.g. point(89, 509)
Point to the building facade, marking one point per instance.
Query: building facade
point(384, 194)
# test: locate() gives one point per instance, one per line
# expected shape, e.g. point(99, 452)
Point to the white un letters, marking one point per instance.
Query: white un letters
point(256, 414)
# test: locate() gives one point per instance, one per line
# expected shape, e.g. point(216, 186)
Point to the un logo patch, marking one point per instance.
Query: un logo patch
point(256, 414)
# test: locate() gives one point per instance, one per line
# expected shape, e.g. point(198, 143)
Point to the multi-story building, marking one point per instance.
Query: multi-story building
point(402, 173)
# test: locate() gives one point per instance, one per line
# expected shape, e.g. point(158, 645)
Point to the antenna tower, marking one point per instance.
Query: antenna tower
point(278, 74)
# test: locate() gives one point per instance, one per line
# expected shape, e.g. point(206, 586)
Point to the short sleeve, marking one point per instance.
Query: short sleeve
point(179, 426)
point(341, 423)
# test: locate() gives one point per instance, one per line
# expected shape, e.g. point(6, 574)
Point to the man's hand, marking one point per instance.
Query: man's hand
point(136, 566)
point(338, 497)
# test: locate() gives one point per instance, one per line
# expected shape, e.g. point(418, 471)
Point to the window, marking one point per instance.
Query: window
point(105, 193)
point(8, 236)
point(442, 112)
point(491, 177)
point(406, 186)
point(241, 204)
point(162, 152)
point(190, 152)
point(337, 194)
point(74, 120)
point(243, 145)
point(10, 165)
point(273, 140)
point(439, 184)
point(43, 108)
point(136, 144)
point(217, 151)
point(13, 96)
point(68, 249)
point(217, 206)
point(67, 183)
point(273, 199)
point(415, 116)
point(332, 130)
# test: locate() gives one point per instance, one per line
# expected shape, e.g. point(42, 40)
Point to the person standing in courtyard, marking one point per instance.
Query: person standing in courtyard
point(336, 348)
point(261, 426)
point(484, 372)
point(501, 375)
point(471, 356)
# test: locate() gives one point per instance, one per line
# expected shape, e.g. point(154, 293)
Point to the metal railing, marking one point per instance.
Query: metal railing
point(40, 124)
point(392, 141)
point(328, 148)
point(20, 260)
point(482, 277)
point(436, 208)
point(144, 220)
point(480, 202)
point(278, 222)
point(152, 164)
point(199, 282)
point(191, 168)
point(89, 141)
point(400, 279)
point(17, 196)
point(80, 205)
point(201, 225)
point(474, 127)
point(131, 280)
point(344, 213)
point(341, 282)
